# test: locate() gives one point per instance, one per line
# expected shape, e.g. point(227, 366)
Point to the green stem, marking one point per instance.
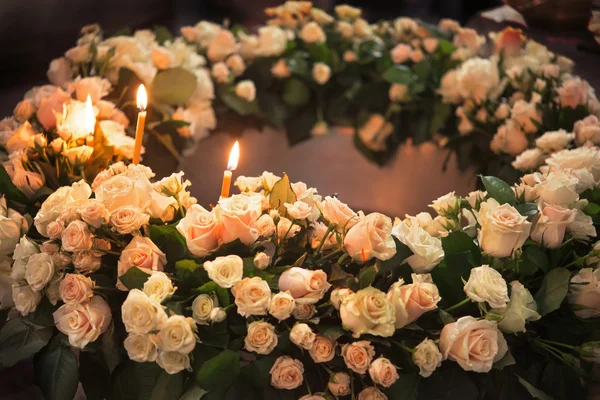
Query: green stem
point(330, 228)
point(403, 347)
point(454, 307)
point(566, 346)
point(327, 257)
point(343, 258)
point(326, 304)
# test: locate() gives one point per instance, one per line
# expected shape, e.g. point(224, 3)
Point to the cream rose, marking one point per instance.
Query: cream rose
point(265, 227)
point(587, 130)
point(371, 237)
point(23, 251)
point(338, 213)
point(383, 372)
point(246, 90)
point(261, 337)
point(323, 349)
point(39, 271)
point(287, 373)
point(368, 311)
point(172, 361)
point(225, 271)
point(141, 252)
point(338, 295)
point(584, 293)
point(159, 286)
point(12, 225)
point(559, 188)
point(524, 113)
point(282, 305)
point(305, 286)
point(76, 289)
point(529, 160)
point(141, 347)
point(202, 308)
point(321, 73)
point(222, 45)
point(252, 296)
point(177, 334)
point(371, 393)
point(218, 314)
point(553, 141)
point(427, 250)
point(25, 299)
point(302, 336)
point(83, 323)
point(312, 33)
point(94, 213)
point(358, 356)
point(262, 260)
point(427, 357)
point(503, 229)
point(485, 284)
point(76, 237)
point(550, 225)
point(474, 344)
point(238, 215)
point(521, 309)
point(141, 314)
point(128, 219)
point(298, 210)
point(413, 300)
point(340, 384)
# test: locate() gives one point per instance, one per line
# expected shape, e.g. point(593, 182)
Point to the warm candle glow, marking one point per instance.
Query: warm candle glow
point(142, 98)
point(234, 157)
point(90, 118)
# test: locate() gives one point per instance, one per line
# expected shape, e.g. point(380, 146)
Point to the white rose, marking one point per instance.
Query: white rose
point(265, 227)
point(321, 73)
point(383, 372)
point(262, 260)
point(456, 337)
point(159, 286)
point(362, 29)
point(12, 226)
point(580, 157)
point(141, 314)
point(238, 214)
point(225, 271)
point(218, 314)
point(503, 229)
point(173, 362)
point(298, 210)
point(287, 373)
point(521, 309)
point(427, 357)
point(282, 305)
point(524, 113)
point(340, 384)
point(427, 250)
point(476, 78)
point(83, 323)
point(375, 132)
point(177, 334)
point(338, 295)
point(261, 337)
point(413, 300)
point(39, 271)
point(371, 393)
point(127, 219)
point(558, 188)
point(487, 284)
point(323, 349)
point(312, 33)
point(21, 255)
point(321, 16)
point(582, 226)
point(553, 141)
point(272, 41)
point(305, 286)
point(280, 69)
point(220, 72)
point(587, 129)
point(76, 289)
point(94, 213)
point(222, 45)
point(550, 225)
point(141, 347)
point(142, 253)
point(398, 92)
point(446, 204)
point(25, 299)
point(202, 308)
point(368, 311)
point(122, 190)
point(302, 336)
point(529, 160)
point(252, 296)
point(358, 356)
point(371, 237)
point(246, 90)
point(584, 293)
point(248, 183)
point(60, 71)
point(269, 180)
point(509, 139)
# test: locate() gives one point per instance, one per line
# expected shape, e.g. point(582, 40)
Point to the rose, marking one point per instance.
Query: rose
point(24, 110)
point(252, 296)
point(172, 361)
point(580, 157)
point(304, 311)
point(199, 227)
point(529, 160)
point(509, 139)
point(141, 314)
point(218, 314)
point(416, 56)
point(375, 131)
point(400, 53)
point(323, 349)
point(427, 357)
point(76, 289)
point(238, 214)
point(25, 299)
point(503, 229)
point(50, 106)
point(321, 73)
point(469, 39)
point(246, 90)
point(262, 260)
point(476, 78)
point(221, 46)
point(358, 355)
point(305, 286)
point(280, 69)
point(225, 271)
point(27, 182)
point(350, 56)
point(524, 114)
point(509, 42)
point(312, 33)
point(587, 129)
point(550, 225)
point(398, 92)
point(23, 251)
point(94, 87)
point(248, 183)
point(338, 213)
point(413, 300)
point(142, 253)
point(368, 311)
point(383, 372)
point(39, 271)
point(11, 225)
point(487, 284)
point(220, 72)
point(286, 229)
point(272, 41)
point(554, 141)
point(521, 309)
point(122, 190)
point(127, 219)
point(345, 11)
point(321, 16)
point(83, 323)
point(345, 29)
point(559, 188)
point(371, 393)
point(573, 92)
point(430, 44)
point(202, 308)
point(236, 63)
point(177, 334)
point(94, 213)
point(298, 210)
point(448, 25)
point(261, 337)
point(60, 71)
point(159, 286)
point(584, 293)
point(84, 261)
point(371, 237)
point(427, 250)
point(161, 58)
point(340, 384)
point(264, 226)
point(282, 305)
point(141, 347)
point(287, 373)
point(302, 336)
point(446, 204)
point(76, 237)
point(338, 295)
point(474, 344)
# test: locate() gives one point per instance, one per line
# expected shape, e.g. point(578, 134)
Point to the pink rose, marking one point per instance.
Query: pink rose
point(200, 229)
point(550, 225)
point(83, 323)
point(238, 214)
point(371, 237)
point(305, 286)
point(51, 105)
point(141, 252)
point(413, 300)
point(76, 289)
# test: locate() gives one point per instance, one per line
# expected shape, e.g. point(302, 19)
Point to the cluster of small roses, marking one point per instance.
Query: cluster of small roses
point(51, 134)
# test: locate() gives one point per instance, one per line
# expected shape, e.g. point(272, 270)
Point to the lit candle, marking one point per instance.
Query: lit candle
point(234, 157)
point(89, 121)
point(142, 102)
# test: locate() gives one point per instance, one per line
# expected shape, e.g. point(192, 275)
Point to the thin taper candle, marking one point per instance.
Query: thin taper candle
point(142, 102)
point(234, 157)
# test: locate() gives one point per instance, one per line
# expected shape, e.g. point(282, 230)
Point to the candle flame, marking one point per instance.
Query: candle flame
point(142, 98)
point(234, 157)
point(90, 118)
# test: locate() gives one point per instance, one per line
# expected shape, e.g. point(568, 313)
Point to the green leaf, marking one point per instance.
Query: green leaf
point(295, 93)
point(167, 386)
point(110, 348)
point(257, 373)
point(553, 291)
point(94, 375)
point(215, 335)
point(173, 86)
point(405, 387)
point(399, 74)
point(241, 106)
point(219, 372)
point(134, 278)
point(19, 341)
point(536, 258)
point(162, 34)
point(422, 70)
point(282, 193)
point(190, 273)
point(441, 112)
point(527, 209)
point(366, 276)
point(445, 317)
point(134, 381)
point(298, 65)
point(505, 361)
point(499, 190)
point(170, 241)
point(8, 189)
point(56, 371)
point(42, 315)
point(193, 393)
point(533, 391)
point(445, 46)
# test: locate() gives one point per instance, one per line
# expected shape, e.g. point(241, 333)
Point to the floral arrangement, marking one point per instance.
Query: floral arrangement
point(279, 292)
